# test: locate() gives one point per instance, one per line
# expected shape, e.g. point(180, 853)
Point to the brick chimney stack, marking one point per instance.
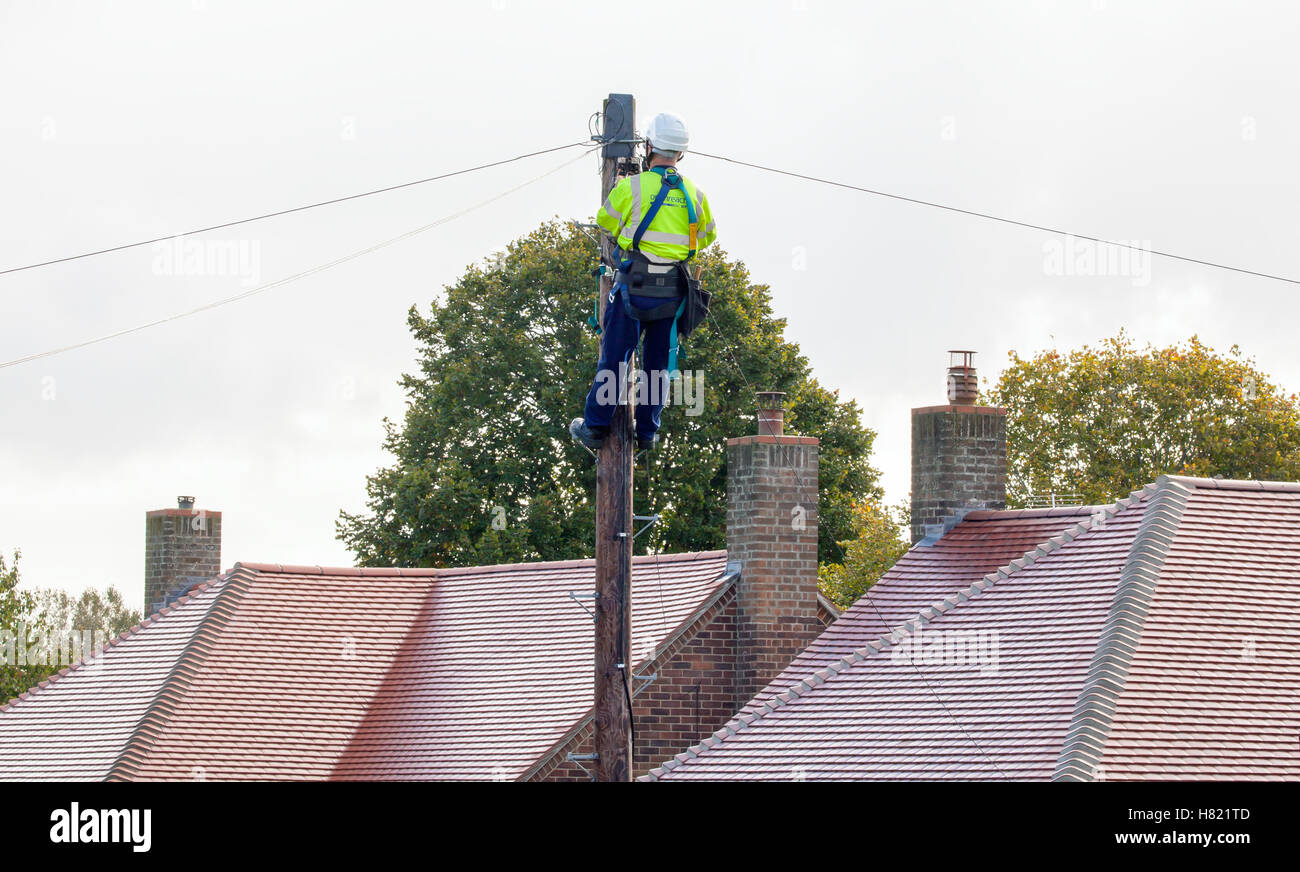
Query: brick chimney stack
point(959, 455)
point(182, 547)
point(772, 538)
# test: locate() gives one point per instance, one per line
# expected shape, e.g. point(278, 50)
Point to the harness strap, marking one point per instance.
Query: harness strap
point(663, 310)
point(693, 228)
point(674, 373)
point(669, 178)
point(650, 214)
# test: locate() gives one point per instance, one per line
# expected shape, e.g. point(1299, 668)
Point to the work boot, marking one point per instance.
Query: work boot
point(646, 444)
point(580, 432)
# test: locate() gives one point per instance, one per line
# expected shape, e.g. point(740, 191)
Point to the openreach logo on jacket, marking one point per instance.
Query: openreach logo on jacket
point(105, 825)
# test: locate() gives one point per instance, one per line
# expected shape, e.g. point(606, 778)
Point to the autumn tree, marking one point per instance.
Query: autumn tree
point(879, 539)
point(1102, 422)
point(484, 470)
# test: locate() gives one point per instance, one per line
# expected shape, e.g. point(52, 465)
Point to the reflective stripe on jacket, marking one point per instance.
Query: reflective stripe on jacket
point(666, 239)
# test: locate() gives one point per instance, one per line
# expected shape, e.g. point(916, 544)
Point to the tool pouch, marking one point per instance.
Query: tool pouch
point(696, 308)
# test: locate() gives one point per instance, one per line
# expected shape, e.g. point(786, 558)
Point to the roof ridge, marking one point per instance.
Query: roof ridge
point(1094, 710)
point(354, 571)
point(1233, 483)
point(89, 660)
point(1034, 512)
point(429, 571)
point(155, 716)
point(923, 616)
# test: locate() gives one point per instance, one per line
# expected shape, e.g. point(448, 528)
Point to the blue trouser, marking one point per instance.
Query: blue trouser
point(619, 337)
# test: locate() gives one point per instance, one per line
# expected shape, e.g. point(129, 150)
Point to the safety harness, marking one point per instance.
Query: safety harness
point(636, 273)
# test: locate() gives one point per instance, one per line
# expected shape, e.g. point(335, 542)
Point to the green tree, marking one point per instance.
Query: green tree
point(103, 613)
point(17, 618)
point(37, 628)
point(1102, 422)
point(484, 469)
point(880, 538)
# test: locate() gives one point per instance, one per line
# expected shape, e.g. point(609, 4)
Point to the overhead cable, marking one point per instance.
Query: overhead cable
point(331, 202)
point(1001, 219)
point(287, 279)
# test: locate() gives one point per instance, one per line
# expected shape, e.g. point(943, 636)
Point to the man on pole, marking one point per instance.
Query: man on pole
point(660, 219)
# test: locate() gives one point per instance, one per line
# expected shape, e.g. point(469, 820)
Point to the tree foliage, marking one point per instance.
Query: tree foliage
point(1102, 422)
point(484, 469)
point(17, 612)
point(42, 631)
point(880, 538)
point(102, 612)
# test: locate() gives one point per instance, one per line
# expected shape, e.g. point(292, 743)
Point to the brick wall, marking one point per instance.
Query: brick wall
point(179, 545)
point(772, 534)
point(959, 460)
point(693, 695)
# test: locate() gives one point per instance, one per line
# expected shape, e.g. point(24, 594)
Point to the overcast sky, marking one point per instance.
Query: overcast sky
point(1171, 124)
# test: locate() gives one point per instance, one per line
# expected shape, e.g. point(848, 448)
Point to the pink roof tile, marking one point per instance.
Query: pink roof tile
point(500, 667)
point(984, 541)
point(1213, 687)
point(292, 672)
point(1160, 643)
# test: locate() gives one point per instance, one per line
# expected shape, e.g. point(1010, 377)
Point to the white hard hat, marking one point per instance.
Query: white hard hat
point(667, 133)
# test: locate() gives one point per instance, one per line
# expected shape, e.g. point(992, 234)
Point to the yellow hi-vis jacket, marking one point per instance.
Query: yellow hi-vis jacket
point(667, 238)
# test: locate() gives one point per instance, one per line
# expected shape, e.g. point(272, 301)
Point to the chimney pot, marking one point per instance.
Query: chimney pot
point(771, 413)
point(963, 387)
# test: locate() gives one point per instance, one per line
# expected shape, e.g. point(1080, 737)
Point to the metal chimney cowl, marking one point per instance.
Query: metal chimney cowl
point(963, 386)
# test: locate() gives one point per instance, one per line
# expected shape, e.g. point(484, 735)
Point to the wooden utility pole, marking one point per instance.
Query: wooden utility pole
point(613, 715)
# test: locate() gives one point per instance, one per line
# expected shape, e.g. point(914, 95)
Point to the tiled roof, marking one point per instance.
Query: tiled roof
point(1215, 676)
point(984, 541)
point(76, 725)
point(282, 672)
point(1157, 640)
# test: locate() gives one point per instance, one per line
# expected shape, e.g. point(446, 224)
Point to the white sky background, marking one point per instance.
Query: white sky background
point(1172, 123)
